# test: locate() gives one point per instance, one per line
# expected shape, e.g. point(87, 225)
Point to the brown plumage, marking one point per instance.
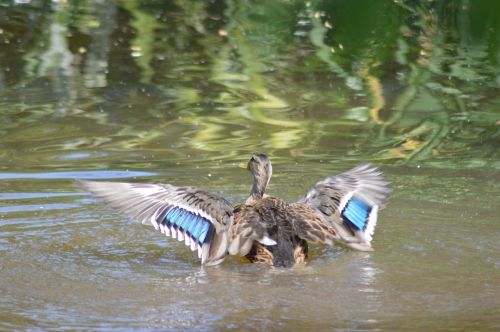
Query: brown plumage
point(264, 229)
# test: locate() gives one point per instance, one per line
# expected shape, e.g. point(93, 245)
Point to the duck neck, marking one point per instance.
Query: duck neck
point(259, 186)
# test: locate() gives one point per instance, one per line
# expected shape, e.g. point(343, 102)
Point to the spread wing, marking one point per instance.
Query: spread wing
point(200, 219)
point(350, 203)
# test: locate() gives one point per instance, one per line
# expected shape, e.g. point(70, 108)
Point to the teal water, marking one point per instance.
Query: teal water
point(182, 92)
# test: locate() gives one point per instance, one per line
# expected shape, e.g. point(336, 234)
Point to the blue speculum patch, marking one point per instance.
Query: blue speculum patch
point(356, 213)
point(194, 225)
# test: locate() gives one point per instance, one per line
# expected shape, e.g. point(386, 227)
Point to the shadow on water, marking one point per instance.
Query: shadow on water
point(181, 92)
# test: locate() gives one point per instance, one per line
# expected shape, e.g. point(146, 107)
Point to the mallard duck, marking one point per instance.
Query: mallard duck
point(264, 229)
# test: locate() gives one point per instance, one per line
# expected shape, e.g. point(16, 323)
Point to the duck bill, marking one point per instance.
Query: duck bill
point(243, 166)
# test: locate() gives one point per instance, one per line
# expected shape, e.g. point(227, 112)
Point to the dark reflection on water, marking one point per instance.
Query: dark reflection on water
point(181, 92)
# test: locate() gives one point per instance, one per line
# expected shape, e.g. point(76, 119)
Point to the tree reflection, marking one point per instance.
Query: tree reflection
point(401, 80)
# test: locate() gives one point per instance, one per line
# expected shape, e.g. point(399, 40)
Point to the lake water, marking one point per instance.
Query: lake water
point(181, 92)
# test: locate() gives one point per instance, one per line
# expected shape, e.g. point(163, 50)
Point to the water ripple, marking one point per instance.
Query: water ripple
point(77, 175)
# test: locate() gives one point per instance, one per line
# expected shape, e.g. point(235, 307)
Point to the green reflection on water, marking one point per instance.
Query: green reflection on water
point(182, 91)
point(410, 82)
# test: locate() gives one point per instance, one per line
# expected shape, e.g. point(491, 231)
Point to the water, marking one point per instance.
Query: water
point(183, 92)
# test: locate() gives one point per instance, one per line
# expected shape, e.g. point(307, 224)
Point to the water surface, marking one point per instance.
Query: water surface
point(181, 92)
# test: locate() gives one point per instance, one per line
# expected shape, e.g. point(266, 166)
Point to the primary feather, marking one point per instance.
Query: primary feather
point(350, 202)
point(200, 219)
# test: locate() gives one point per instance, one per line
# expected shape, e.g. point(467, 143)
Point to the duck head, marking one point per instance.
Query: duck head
point(260, 167)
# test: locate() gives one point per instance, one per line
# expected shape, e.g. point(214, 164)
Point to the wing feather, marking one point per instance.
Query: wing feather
point(350, 202)
point(310, 225)
point(248, 227)
point(200, 219)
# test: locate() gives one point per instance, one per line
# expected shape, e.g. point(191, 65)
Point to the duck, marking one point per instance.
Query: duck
point(340, 209)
